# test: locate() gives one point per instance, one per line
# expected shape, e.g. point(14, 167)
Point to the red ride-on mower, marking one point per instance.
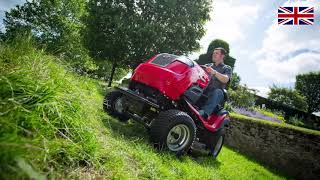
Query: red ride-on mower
point(164, 94)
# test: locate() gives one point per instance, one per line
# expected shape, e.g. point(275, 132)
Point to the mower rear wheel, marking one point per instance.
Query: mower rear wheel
point(219, 143)
point(113, 105)
point(173, 130)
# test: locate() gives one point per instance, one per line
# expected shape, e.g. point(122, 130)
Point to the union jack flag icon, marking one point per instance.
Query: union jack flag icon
point(296, 15)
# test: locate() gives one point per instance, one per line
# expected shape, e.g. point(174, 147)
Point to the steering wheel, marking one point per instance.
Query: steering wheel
point(204, 67)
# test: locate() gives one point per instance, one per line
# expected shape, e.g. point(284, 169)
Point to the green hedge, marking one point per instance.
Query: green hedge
point(272, 124)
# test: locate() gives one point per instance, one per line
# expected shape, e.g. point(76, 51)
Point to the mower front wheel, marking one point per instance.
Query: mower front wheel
point(113, 105)
point(173, 130)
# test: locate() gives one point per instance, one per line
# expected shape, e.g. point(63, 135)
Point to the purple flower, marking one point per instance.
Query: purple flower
point(256, 114)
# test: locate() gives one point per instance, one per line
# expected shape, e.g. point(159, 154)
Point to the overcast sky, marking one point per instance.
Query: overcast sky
point(266, 53)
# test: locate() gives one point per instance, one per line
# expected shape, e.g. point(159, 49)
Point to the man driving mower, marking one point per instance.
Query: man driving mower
point(165, 94)
point(220, 76)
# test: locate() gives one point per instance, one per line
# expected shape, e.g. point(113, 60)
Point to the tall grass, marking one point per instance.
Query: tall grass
point(52, 126)
point(48, 115)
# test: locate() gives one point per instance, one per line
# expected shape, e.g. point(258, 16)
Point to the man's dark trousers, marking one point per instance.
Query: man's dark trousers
point(215, 97)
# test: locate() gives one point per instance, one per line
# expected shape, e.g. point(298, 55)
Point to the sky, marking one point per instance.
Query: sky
point(6, 5)
point(267, 53)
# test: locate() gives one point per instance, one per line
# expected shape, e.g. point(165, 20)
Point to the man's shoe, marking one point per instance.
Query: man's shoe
point(203, 114)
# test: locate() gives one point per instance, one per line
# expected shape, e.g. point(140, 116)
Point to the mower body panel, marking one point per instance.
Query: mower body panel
point(172, 78)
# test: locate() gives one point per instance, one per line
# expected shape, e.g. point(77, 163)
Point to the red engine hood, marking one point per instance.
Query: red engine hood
point(172, 80)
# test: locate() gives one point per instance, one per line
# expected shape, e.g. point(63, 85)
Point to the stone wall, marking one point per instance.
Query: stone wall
point(291, 150)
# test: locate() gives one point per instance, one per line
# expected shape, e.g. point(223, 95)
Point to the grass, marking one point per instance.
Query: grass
point(53, 126)
point(131, 143)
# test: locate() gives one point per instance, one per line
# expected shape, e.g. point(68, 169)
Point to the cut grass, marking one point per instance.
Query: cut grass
point(52, 125)
point(141, 160)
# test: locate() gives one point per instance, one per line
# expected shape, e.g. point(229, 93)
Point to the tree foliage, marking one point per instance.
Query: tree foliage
point(218, 43)
point(127, 32)
point(55, 24)
point(309, 86)
point(289, 97)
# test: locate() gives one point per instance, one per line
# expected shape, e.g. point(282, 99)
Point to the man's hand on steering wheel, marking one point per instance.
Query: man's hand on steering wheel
point(210, 71)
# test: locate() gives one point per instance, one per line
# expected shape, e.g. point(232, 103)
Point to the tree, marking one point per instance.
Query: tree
point(289, 97)
point(206, 58)
point(55, 23)
point(308, 85)
point(127, 32)
point(56, 26)
point(218, 43)
point(106, 33)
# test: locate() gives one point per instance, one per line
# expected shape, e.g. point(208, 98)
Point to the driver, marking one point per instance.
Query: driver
point(220, 76)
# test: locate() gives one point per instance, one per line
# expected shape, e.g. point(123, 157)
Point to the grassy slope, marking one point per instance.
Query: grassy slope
point(52, 125)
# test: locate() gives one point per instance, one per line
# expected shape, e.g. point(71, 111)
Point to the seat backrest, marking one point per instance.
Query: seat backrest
point(225, 97)
point(225, 94)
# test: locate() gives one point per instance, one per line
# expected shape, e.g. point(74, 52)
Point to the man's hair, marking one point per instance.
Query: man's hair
point(222, 50)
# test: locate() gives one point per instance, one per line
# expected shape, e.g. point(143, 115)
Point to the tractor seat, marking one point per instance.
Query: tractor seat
point(225, 97)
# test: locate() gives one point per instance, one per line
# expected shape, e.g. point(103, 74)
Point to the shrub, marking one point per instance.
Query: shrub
point(228, 107)
point(235, 81)
point(241, 97)
point(295, 120)
point(289, 97)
